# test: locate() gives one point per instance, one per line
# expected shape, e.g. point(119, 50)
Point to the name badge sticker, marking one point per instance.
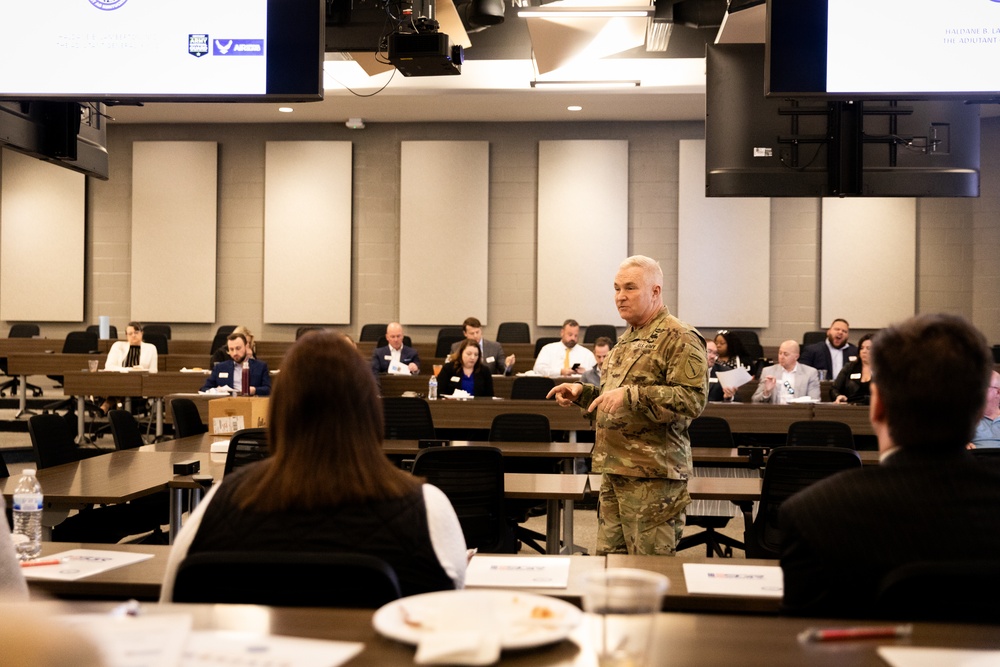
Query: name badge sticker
point(855, 376)
point(490, 360)
point(223, 375)
point(455, 378)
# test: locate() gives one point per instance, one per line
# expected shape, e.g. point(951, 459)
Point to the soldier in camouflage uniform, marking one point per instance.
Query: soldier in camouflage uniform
point(654, 383)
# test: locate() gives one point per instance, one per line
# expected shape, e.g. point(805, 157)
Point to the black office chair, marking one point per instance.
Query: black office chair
point(382, 342)
point(286, 579)
point(472, 478)
point(371, 332)
point(407, 418)
point(820, 433)
point(950, 591)
point(595, 331)
point(987, 455)
point(712, 515)
point(3, 468)
point(19, 331)
point(156, 329)
point(513, 332)
point(542, 342)
point(186, 418)
point(221, 340)
point(158, 340)
point(112, 330)
point(76, 342)
point(246, 446)
point(531, 387)
point(125, 430)
point(52, 441)
point(447, 336)
point(788, 471)
point(811, 337)
point(225, 329)
point(751, 342)
point(524, 427)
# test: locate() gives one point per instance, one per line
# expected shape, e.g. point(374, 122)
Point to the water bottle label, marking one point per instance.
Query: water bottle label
point(27, 503)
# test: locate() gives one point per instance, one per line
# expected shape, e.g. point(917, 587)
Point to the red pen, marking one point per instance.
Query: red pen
point(34, 563)
point(873, 632)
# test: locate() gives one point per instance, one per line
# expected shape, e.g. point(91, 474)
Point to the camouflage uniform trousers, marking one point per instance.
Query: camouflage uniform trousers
point(641, 515)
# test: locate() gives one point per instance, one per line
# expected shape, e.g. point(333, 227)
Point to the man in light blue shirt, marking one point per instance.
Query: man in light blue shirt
point(988, 429)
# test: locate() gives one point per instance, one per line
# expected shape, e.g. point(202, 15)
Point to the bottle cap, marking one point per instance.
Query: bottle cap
point(28, 471)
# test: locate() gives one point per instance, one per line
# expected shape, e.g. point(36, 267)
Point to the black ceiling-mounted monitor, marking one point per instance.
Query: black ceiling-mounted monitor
point(884, 49)
point(177, 51)
point(758, 146)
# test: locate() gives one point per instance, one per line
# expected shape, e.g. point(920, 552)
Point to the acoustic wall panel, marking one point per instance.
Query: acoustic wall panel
point(723, 251)
point(582, 229)
point(443, 231)
point(42, 235)
point(174, 221)
point(307, 232)
point(868, 261)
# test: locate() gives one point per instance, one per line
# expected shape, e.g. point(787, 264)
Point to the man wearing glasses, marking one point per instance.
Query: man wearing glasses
point(787, 380)
point(988, 429)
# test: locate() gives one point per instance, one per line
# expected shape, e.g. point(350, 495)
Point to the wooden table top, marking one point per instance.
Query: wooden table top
point(479, 413)
point(736, 489)
point(688, 639)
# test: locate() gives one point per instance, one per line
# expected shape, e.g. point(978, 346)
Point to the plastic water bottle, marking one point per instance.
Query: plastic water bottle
point(245, 388)
point(27, 534)
point(432, 389)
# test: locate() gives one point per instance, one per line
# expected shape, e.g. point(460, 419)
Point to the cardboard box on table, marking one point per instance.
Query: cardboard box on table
point(228, 415)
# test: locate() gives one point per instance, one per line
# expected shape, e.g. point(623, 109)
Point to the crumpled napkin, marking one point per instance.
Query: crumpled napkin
point(459, 393)
point(459, 647)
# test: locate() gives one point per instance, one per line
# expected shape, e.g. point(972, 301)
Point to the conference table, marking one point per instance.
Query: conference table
point(688, 639)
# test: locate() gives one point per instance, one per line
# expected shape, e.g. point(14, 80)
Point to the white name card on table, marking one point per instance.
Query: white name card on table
point(517, 572)
point(79, 563)
point(918, 656)
point(744, 580)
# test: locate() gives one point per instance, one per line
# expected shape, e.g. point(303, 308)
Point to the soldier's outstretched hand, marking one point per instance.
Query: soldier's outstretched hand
point(565, 393)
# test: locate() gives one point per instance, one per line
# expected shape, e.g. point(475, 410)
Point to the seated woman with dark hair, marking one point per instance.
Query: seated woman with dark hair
point(853, 383)
point(466, 371)
point(732, 354)
point(328, 486)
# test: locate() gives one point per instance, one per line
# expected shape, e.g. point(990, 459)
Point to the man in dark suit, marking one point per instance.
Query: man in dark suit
point(230, 373)
point(490, 351)
point(928, 500)
point(395, 357)
point(833, 353)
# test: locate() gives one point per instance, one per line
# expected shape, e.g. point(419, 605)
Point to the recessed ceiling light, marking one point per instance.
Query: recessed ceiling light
point(574, 107)
point(286, 109)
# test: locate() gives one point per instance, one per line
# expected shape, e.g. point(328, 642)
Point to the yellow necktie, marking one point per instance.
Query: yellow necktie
point(566, 360)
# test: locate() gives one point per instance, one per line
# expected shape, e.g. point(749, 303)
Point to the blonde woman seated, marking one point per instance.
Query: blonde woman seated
point(466, 372)
point(328, 486)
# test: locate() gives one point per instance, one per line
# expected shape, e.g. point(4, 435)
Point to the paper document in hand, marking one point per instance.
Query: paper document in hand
point(745, 580)
point(733, 379)
point(517, 572)
point(78, 563)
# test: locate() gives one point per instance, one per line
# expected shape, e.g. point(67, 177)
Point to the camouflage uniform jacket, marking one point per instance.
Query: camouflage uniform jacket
point(662, 368)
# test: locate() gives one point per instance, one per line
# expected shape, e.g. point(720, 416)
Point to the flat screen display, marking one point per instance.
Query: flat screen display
point(883, 48)
point(149, 50)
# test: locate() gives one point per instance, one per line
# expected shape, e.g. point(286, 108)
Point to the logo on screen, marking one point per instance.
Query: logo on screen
point(237, 47)
point(198, 45)
point(108, 5)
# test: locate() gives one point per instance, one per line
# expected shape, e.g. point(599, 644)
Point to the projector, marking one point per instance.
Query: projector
point(424, 54)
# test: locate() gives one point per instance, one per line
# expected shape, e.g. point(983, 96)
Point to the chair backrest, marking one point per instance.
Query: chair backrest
point(286, 579)
point(80, 342)
point(156, 329)
point(225, 330)
point(595, 331)
point(220, 340)
point(542, 342)
point(513, 332)
point(125, 430)
point(52, 441)
point(820, 433)
point(187, 419)
point(996, 354)
point(531, 387)
point(382, 342)
point(96, 328)
point(788, 471)
point(711, 432)
point(407, 418)
point(371, 332)
point(24, 330)
point(447, 336)
point(950, 591)
point(810, 337)
point(472, 478)
point(3, 468)
point(520, 427)
point(158, 340)
point(246, 446)
point(751, 343)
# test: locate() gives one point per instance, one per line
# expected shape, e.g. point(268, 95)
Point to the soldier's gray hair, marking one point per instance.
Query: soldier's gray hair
point(648, 265)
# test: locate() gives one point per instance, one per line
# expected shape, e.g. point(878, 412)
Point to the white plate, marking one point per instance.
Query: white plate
point(524, 619)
